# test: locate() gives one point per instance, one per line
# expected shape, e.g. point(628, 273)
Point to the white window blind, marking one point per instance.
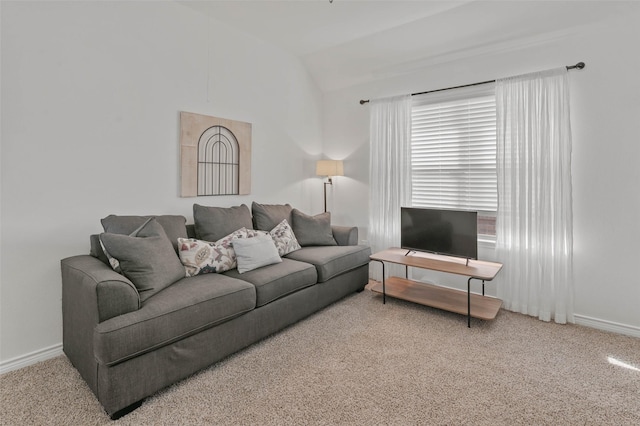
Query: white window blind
point(453, 150)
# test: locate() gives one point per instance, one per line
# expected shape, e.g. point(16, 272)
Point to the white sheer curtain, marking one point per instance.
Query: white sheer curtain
point(389, 171)
point(534, 223)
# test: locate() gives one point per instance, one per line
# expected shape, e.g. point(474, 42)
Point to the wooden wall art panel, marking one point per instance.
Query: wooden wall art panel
point(215, 155)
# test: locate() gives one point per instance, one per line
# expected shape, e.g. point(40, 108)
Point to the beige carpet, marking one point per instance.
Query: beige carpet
point(361, 362)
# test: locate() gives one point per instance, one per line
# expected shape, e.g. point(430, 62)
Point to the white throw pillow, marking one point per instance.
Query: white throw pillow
point(253, 253)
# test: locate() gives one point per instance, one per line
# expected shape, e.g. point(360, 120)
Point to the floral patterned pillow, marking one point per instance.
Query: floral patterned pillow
point(255, 232)
point(202, 257)
point(284, 238)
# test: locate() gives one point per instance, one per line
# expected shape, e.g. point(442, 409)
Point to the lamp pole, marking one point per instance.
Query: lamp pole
point(330, 182)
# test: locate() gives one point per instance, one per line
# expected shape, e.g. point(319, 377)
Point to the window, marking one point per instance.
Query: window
point(453, 153)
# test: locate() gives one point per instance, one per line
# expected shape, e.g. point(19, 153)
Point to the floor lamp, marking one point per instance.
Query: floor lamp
point(329, 168)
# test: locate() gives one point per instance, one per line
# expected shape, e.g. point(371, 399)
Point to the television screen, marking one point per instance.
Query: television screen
point(450, 232)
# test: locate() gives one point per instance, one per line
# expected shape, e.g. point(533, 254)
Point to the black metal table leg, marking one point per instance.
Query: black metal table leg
point(384, 292)
point(469, 302)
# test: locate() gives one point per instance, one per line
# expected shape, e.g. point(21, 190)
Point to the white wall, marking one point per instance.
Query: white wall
point(605, 110)
point(89, 127)
point(90, 99)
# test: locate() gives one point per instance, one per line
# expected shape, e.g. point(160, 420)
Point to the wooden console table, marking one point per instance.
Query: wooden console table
point(471, 304)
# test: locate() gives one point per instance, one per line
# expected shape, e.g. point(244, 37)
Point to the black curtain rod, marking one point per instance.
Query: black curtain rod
point(577, 66)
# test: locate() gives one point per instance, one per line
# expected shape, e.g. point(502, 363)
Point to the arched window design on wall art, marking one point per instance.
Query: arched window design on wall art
point(218, 162)
point(215, 156)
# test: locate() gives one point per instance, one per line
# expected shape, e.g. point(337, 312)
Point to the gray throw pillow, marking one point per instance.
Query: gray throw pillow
point(147, 259)
point(213, 223)
point(174, 226)
point(313, 230)
point(96, 250)
point(255, 252)
point(268, 216)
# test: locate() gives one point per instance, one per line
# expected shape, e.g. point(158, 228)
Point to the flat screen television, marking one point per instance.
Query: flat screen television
point(440, 231)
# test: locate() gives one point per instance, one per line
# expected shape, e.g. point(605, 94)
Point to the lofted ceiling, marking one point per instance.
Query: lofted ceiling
point(348, 42)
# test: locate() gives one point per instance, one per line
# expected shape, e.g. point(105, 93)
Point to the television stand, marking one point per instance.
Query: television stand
point(471, 304)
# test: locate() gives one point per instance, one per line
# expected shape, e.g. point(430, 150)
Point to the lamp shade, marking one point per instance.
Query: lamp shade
point(329, 168)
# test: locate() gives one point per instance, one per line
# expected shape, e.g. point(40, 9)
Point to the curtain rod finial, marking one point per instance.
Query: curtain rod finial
point(362, 101)
point(578, 66)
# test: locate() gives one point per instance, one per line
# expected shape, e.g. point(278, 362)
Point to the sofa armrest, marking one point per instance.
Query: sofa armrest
point(111, 294)
point(345, 235)
point(92, 292)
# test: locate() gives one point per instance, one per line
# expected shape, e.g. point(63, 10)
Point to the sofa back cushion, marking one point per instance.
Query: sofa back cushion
point(213, 223)
point(268, 216)
point(313, 230)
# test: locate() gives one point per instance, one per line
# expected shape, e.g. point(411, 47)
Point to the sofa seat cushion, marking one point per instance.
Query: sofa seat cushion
point(185, 308)
point(275, 281)
point(331, 261)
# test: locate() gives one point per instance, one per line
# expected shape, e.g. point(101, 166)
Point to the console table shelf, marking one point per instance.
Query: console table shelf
point(448, 299)
point(466, 303)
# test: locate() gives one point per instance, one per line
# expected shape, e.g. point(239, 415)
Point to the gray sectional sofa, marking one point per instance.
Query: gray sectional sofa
point(133, 332)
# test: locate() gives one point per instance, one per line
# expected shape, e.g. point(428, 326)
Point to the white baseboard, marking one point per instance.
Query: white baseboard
point(614, 327)
point(30, 358)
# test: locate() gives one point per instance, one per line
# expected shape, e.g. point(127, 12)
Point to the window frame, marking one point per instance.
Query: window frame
point(455, 98)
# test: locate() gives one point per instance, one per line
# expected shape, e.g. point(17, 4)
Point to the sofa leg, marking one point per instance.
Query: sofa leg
point(126, 410)
point(360, 290)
